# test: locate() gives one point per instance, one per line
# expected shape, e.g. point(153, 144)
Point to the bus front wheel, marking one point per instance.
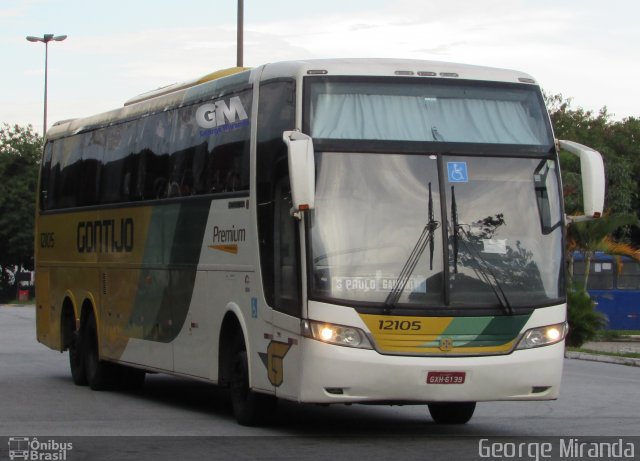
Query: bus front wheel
point(250, 408)
point(452, 412)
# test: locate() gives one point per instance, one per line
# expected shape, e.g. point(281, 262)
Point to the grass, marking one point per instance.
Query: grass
point(15, 302)
point(628, 355)
point(607, 335)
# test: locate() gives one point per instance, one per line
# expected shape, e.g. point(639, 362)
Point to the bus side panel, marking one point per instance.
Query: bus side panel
point(149, 303)
point(43, 311)
point(225, 283)
point(62, 265)
point(285, 356)
point(197, 348)
point(119, 291)
point(622, 307)
point(161, 295)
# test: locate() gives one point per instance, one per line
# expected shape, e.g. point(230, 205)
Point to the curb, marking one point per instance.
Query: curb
point(603, 358)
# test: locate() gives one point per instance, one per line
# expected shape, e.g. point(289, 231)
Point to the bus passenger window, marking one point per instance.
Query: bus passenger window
point(227, 166)
point(600, 274)
point(93, 147)
point(182, 154)
point(115, 180)
point(629, 275)
point(153, 147)
point(46, 194)
point(67, 159)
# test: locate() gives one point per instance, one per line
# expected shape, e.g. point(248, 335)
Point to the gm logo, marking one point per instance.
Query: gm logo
point(215, 114)
point(446, 344)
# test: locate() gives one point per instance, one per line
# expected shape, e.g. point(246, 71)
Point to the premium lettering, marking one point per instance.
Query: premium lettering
point(232, 235)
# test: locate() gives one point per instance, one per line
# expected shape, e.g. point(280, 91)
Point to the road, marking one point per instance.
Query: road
point(175, 417)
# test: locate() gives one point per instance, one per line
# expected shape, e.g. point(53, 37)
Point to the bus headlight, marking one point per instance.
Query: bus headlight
point(543, 336)
point(339, 335)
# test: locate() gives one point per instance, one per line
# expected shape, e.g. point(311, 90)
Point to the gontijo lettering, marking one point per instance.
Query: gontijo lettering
point(105, 236)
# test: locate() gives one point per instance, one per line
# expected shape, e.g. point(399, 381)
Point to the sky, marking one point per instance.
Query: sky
point(586, 50)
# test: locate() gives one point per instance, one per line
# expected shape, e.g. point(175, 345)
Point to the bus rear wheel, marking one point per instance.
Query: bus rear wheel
point(99, 374)
point(76, 361)
point(452, 412)
point(250, 408)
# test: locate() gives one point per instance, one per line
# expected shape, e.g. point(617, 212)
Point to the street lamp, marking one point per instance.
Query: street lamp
point(240, 34)
point(46, 39)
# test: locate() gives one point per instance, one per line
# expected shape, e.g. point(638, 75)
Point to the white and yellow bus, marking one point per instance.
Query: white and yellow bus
point(326, 231)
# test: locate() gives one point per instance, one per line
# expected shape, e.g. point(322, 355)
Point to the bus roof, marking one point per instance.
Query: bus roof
point(213, 84)
point(393, 67)
point(600, 256)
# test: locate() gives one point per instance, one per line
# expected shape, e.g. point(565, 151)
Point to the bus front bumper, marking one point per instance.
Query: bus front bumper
point(334, 374)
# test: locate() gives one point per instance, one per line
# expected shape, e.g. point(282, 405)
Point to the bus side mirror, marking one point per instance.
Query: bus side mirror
point(302, 168)
point(593, 180)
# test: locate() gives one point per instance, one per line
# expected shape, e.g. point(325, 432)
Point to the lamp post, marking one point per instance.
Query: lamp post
point(240, 34)
point(46, 39)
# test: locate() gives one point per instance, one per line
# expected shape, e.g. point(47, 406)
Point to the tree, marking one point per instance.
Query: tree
point(588, 237)
point(617, 141)
point(584, 319)
point(617, 233)
point(20, 150)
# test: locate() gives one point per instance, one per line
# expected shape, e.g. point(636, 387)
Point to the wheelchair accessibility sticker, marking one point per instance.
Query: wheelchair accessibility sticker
point(457, 171)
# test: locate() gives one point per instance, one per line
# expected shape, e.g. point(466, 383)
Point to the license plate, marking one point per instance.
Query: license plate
point(446, 377)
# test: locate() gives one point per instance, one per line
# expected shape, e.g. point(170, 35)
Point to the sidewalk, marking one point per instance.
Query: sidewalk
point(627, 346)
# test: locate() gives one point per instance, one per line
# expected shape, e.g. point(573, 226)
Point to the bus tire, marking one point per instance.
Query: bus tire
point(452, 412)
point(76, 361)
point(99, 374)
point(249, 408)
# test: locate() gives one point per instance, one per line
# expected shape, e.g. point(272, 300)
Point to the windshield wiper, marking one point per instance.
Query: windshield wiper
point(436, 134)
point(454, 220)
point(482, 268)
point(426, 237)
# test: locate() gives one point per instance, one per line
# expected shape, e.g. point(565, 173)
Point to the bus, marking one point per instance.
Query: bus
point(375, 231)
point(614, 285)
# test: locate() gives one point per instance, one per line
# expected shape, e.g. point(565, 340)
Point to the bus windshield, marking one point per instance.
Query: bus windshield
point(496, 220)
point(427, 110)
point(470, 213)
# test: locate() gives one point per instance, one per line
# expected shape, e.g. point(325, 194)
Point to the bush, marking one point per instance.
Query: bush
point(584, 320)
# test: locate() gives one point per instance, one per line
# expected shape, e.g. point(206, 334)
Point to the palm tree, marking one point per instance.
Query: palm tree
point(588, 237)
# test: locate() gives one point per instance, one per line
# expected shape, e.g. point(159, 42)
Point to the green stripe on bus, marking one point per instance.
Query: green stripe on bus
point(485, 331)
point(174, 241)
